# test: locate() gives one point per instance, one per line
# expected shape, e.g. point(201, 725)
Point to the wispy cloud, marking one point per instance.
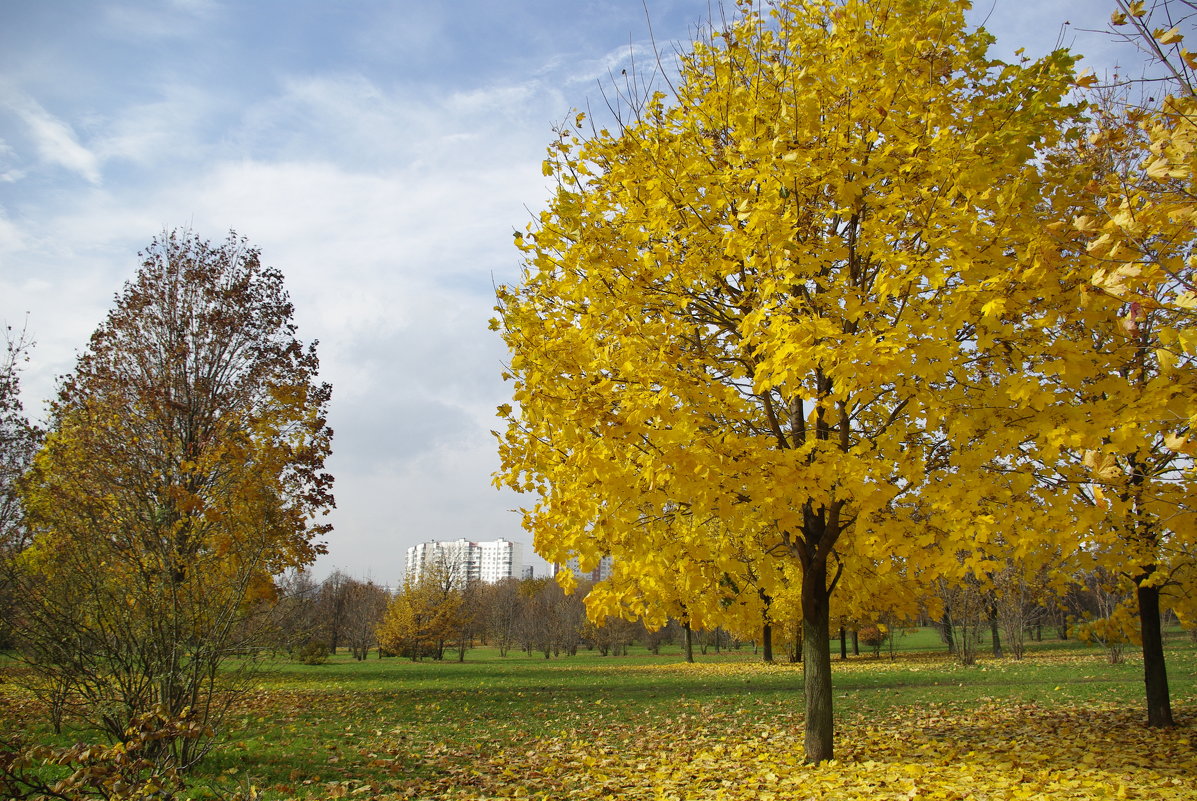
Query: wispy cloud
point(9, 172)
point(379, 153)
point(175, 20)
point(54, 139)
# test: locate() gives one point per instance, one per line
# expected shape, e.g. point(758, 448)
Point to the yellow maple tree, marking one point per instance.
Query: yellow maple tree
point(1140, 343)
point(761, 301)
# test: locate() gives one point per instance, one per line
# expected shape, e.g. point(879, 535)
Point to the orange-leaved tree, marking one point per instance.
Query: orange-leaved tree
point(760, 299)
point(183, 469)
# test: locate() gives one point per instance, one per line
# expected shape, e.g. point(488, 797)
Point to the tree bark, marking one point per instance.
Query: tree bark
point(816, 633)
point(689, 642)
point(1155, 672)
point(767, 642)
point(995, 633)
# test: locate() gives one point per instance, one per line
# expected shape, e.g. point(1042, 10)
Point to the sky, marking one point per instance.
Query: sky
point(380, 154)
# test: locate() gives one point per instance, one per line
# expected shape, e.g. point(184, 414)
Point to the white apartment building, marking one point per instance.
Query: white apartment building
point(600, 573)
point(467, 561)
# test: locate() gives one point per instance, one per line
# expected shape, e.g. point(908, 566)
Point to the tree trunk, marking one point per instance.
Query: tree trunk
point(997, 637)
point(1155, 672)
point(767, 642)
point(843, 643)
point(816, 633)
point(689, 642)
point(855, 642)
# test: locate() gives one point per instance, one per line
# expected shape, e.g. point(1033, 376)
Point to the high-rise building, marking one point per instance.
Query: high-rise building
point(600, 573)
point(464, 561)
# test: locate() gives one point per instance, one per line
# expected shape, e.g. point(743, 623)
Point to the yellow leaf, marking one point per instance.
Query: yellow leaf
point(1188, 340)
point(1086, 79)
point(1161, 169)
point(1168, 37)
point(1137, 8)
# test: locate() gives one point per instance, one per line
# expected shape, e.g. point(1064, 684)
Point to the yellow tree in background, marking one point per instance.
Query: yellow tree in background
point(1121, 351)
point(762, 301)
point(426, 613)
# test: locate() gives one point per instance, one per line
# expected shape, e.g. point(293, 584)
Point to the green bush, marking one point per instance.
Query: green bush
point(313, 652)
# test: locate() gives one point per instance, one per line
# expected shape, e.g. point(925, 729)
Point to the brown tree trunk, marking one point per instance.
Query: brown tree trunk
point(816, 633)
point(948, 633)
point(843, 643)
point(767, 642)
point(689, 642)
point(995, 634)
point(1155, 672)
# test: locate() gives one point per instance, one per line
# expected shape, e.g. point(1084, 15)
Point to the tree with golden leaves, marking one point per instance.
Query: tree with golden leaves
point(183, 469)
point(1129, 390)
point(428, 612)
point(761, 299)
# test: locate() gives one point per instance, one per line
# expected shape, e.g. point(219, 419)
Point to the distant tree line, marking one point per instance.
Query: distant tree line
point(442, 617)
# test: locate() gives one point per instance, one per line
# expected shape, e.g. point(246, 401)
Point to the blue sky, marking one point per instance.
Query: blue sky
point(379, 153)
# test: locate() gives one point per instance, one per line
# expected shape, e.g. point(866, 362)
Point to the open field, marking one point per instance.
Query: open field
point(1062, 722)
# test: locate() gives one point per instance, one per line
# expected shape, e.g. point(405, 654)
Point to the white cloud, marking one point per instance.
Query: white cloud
point(379, 154)
point(9, 174)
point(166, 132)
point(176, 20)
point(54, 139)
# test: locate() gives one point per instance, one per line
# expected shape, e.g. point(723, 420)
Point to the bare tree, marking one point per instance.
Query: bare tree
point(18, 441)
point(365, 604)
point(499, 607)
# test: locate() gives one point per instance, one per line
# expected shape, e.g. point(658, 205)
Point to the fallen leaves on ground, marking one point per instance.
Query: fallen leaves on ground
point(997, 751)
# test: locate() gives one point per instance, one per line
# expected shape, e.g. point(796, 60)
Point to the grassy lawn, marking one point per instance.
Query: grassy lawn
point(498, 727)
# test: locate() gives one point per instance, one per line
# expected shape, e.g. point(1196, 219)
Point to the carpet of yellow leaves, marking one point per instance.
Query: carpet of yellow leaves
point(994, 753)
point(996, 750)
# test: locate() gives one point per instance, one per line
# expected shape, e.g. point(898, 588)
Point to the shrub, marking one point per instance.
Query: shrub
point(313, 652)
point(873, 637)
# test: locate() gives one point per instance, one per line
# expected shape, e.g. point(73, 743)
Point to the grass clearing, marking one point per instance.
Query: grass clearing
point(1063, 720)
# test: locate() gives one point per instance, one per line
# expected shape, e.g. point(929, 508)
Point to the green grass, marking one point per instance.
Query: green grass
point(387, 722)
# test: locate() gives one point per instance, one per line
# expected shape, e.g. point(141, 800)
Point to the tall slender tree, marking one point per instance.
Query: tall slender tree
point(18, 442)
